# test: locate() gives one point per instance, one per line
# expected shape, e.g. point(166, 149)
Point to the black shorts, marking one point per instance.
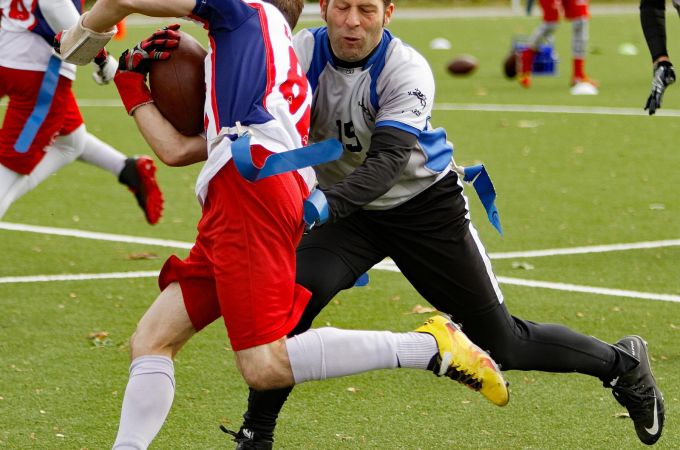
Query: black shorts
point(431, 240)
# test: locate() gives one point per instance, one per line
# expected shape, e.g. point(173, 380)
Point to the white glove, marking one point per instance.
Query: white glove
point(104, 72)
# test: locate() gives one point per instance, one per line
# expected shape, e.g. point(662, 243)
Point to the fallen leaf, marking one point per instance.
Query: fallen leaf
point(100, 339)
point(622, 415)
point(527, 124)
point(142, 255)
point(522, 265)
point(420, 309)
point(352, 390)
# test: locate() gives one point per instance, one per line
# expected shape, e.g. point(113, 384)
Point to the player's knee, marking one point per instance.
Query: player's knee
point(265, 366)
point(146, 342)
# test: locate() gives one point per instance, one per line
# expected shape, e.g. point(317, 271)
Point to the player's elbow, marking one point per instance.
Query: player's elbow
point(172, 158)
point(182, 153)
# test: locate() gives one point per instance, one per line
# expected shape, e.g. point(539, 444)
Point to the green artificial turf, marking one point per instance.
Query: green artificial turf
point(563, 180)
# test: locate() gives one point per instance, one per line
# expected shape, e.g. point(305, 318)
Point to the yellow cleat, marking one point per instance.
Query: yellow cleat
point(461, 360)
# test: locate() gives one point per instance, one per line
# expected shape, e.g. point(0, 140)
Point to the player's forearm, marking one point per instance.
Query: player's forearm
point(653, 21)
point(107, 13)
point(59, 14)
point(385, 162)
point(171, 147)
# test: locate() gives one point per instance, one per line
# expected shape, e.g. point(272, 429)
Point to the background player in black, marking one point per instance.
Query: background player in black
point(653, 20)
point(432, 241)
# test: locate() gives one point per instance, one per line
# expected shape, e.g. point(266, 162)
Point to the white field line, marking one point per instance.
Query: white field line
point(391, 267)
point(79, 277)
point(384, 265)
point(93, 235)
point(552, 109)
point(187, 245)
point(476, 107)
point(584, 250)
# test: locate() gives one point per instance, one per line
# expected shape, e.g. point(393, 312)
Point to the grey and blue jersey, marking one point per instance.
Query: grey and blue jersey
point(394, 88)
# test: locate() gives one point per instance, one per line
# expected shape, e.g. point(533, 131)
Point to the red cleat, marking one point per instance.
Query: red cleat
point(139, 175)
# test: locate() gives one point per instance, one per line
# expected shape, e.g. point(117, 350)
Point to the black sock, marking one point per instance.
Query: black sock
point(263, 410)
point(128, 176)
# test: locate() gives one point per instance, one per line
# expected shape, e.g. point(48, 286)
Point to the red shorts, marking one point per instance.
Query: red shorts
point(573, 9)
point(242, 266)
point(22, 87)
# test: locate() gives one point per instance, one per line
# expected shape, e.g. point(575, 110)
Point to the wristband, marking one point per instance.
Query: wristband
point(132, 89)
point(79, 45)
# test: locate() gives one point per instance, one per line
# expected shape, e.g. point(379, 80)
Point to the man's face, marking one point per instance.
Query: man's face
point(355, 26)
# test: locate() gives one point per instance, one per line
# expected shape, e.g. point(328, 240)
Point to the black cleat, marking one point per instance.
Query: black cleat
point(247, 440)
point(637, 391)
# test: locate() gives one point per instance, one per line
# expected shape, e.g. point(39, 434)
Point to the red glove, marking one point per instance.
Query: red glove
point(134, 65)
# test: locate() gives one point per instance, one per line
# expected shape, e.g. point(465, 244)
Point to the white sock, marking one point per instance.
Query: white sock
point(579, 41)
point(542, 34)
point(147, 401)
point(330, 352)
point(63, 151)
point(101, 154)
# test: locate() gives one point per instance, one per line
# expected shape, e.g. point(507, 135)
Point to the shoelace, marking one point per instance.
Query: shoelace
point(465, 378)
point(238, 437)
point(635, 400)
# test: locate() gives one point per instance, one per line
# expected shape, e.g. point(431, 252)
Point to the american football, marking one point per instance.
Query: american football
point(463, 65)
point(510, 65)
point(178, 86)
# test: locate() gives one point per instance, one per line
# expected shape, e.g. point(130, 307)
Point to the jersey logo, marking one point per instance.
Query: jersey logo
point(422, 98)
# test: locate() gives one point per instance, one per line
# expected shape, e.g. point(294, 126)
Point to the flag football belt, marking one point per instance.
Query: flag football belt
point(479, 177)
point(278, 163)
point(42, 106)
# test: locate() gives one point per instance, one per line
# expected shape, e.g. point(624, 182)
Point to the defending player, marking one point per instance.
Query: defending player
point(393, 193)
point(653, 20)
point(242, 266)
point(30, 153)
point(577, 12)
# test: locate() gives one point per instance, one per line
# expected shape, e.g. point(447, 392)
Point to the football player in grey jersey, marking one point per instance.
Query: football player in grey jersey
point(393, 193)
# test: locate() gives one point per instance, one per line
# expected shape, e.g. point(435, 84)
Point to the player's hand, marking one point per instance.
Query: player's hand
point(56, 42)
point(158, 46)
point(664, 76)
point(105, 67)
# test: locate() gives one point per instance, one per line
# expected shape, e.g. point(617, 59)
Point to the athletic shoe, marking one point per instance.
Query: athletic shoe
point(462, 361)
point(246, 440)
point(577, 80)
point(525, 80)
point(139, 175)
point(637, 391)
point(583, 88)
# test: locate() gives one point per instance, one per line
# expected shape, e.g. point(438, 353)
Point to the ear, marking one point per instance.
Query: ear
point(388, 14)
point(323, 5)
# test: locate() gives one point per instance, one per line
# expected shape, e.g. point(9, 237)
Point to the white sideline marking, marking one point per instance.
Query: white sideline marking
point(93, 235)
point(79, 277)
point(478, 107)
point(384, 265)
point(387, 265)
point(391, 267)
point(186, 245)
point(552, 109)
point(583, 250)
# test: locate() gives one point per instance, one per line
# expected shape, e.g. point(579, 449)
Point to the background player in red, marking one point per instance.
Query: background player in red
point(29, 154)
point(575, 11)
point(242, 265)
